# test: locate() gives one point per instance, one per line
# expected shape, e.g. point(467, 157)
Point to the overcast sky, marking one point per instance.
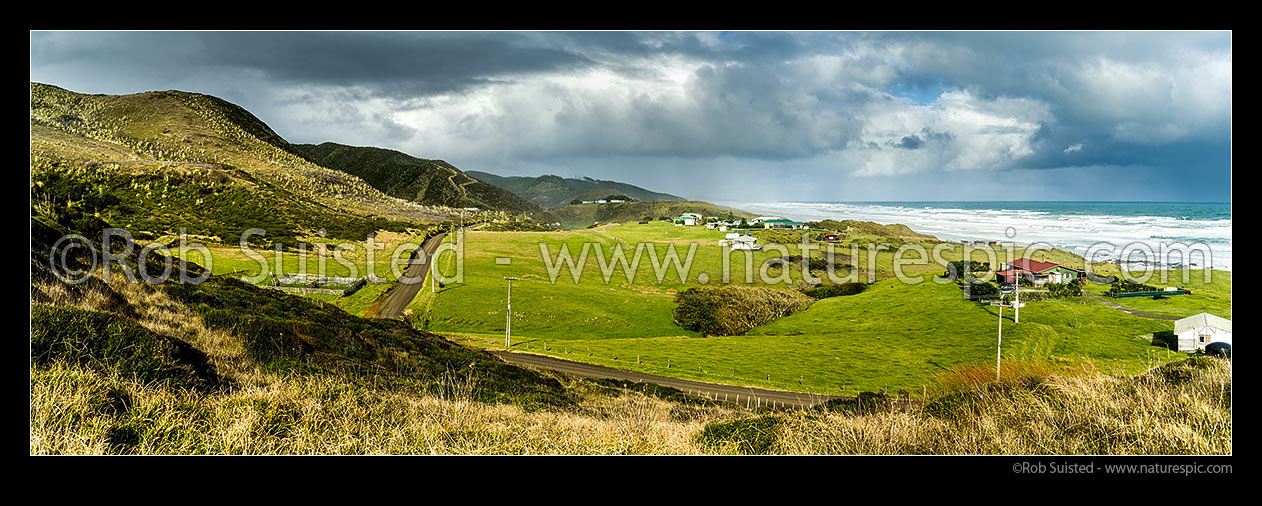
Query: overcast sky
point(730, 116)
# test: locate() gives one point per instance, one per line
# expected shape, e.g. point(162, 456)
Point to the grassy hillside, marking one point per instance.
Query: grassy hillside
point(221, 345)
point(156, 162)
point(895, 231)
point(582, 215)
point(554, 191)
point(430, 182)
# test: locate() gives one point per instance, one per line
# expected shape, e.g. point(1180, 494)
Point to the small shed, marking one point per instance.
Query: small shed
point(1196, 331)
point(745, 242)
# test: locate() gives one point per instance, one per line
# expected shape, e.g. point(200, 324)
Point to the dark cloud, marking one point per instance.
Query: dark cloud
point(396, 64)
point(910, 142)
point(884, 105)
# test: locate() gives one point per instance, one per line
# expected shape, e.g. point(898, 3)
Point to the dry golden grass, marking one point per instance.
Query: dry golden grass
point(1085, 414)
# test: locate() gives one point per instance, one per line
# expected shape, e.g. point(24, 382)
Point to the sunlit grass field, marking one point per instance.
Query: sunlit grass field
point(894, 335)
point(1213, 297)
point(233, 261)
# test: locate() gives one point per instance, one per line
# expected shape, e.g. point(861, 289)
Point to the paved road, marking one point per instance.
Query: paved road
point(1130, 311)
point(403, 293)
point(743, 395)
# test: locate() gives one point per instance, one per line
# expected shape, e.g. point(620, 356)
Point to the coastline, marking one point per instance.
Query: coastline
point(1129, 227)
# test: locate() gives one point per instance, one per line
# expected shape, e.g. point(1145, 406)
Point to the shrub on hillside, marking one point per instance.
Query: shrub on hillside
point(732, 310)
point(825, 291)
point(750, 436)
point(1059, 290)
point(515, 226)
point(959, 268)
point(976, 290)
point(1124, 286)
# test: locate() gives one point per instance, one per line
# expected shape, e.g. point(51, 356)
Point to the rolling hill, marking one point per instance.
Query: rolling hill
point(582, 215)
point(158, 162)
point(551, 192)
point(430, 182)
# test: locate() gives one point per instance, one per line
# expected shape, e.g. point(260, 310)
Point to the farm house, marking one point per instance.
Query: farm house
point(1196, 331)
point(688, 219)
point(1041, 272)
point(781, 223)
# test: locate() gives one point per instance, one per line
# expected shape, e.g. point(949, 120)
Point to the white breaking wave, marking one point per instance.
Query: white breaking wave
point(1072, 232)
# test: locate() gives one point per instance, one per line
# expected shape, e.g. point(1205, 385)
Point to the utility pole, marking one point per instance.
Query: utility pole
point(999, 341)
point(1016, 304)
point(508, 321)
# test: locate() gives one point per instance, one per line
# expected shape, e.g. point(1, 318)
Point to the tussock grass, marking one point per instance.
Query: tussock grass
point(1031, 413)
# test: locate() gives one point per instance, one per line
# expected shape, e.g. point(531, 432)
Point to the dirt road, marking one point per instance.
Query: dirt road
point(745, 396)
point(403, 293)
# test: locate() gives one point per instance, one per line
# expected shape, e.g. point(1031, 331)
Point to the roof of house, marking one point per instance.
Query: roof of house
point(1013, 272)
point(1197, 321)
point(1033, 265)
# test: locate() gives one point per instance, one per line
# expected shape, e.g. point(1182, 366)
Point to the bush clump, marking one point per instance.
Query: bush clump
point(825, 291)
point(750, 436)
point(1060, 290)
point(515, 226)
point(732, 310)
point(1183, 371)
point(982, 289)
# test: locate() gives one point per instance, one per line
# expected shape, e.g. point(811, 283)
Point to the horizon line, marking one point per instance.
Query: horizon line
point(983, 201)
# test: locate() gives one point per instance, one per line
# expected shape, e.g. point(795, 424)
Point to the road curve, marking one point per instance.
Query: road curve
point(403, 293)
point(745, 396)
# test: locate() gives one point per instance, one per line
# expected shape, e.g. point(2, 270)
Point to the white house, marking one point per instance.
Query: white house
point(760, 219)
point(745, 242)
point(1196, 331)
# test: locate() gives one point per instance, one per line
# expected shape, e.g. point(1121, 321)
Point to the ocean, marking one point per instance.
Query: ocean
point(1072, 226)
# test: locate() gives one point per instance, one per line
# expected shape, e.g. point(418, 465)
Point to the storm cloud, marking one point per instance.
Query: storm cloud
point(704, 114)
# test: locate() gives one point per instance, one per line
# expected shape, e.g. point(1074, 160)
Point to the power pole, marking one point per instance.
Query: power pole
point(1016, 304)
point(508, 321)
point(999, 341)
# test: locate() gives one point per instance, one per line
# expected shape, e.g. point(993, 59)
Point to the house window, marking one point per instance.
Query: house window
point(1203, 338)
